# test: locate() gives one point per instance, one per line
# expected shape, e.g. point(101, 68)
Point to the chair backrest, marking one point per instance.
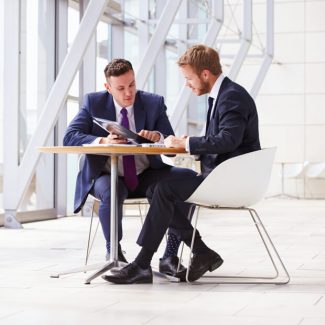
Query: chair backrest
point(316, 170)
point(237, 182)
point(297, 170)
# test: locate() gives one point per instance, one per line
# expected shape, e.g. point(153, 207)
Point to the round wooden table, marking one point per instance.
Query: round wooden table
point(113, 151)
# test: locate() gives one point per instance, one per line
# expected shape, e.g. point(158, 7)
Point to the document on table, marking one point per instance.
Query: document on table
point(116, 128)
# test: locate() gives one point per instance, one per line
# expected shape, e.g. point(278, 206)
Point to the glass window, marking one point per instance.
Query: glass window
point(28, 73)
point(103, 53)
point(131, 46)
point(72, 160)
point(73, 24)
point(1, 106)
point(36, 68)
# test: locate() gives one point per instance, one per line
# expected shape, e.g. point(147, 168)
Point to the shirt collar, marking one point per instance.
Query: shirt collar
point(118, 108)
point(216, 87)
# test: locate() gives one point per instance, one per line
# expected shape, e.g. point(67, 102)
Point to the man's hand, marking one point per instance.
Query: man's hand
point(175, 142)
point(113, 139)
point(150, 135)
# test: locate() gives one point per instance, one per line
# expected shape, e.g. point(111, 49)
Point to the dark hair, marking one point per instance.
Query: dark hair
point(201, 57)
point(117, 67)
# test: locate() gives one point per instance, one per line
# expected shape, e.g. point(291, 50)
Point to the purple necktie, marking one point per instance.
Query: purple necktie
point(130, 174)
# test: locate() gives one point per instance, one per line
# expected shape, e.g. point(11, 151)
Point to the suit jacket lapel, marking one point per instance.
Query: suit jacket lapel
point(223, 85)
point(139, 114)
point(110, 111)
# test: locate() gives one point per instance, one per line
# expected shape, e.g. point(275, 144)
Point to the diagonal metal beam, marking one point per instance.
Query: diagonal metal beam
point(55, 100)
point(156, 42)
point(246, 40)
point(209, 39)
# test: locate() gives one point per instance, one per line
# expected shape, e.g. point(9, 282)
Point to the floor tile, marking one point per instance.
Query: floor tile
point(29, 256)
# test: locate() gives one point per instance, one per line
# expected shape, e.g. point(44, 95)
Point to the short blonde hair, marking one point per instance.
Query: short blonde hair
point(201, 57)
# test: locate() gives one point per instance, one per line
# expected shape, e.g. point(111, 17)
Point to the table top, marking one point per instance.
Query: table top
point(111, 150)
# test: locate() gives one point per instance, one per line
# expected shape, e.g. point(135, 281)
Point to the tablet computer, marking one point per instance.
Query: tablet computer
point(116, 128)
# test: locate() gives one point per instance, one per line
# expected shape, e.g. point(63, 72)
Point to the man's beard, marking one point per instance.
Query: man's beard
point(204, 87)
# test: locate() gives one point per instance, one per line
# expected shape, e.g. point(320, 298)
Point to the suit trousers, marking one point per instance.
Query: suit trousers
point(147, 181)
point(164, 198)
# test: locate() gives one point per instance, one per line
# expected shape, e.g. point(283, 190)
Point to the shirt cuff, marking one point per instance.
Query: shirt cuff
point(161, 140)
point(96, 141)
point(187, 144)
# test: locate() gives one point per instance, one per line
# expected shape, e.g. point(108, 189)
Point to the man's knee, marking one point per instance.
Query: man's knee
point(105, 196)
point(149, 192)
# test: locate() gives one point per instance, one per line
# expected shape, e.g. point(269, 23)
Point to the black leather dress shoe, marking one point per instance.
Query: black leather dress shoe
point(202, 263)
point(169, 265)
point(130, 274)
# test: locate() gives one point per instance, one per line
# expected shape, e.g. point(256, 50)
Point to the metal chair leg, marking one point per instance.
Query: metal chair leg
point(192, 243)
point(270, 248)
point(140, 213)
point(190, 215)
point(89, 234)
point(90, 243)
point(278, 265)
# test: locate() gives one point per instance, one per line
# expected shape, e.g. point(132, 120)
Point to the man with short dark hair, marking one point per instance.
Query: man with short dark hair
point(231, 130)
point(141, 112)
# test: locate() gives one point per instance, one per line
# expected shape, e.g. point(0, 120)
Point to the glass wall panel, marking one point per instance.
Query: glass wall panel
point(36, 62)
point(28, 73)
point(1, 104)
point(103, 53)
point(198, 107)
point(172, 82)
point(131, 9)
point(72, 160)
point(72, 109)
point(73, 24)
point(131, 46)
point(36, 77)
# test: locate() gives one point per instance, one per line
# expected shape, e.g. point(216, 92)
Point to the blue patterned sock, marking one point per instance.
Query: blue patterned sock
point(172, 246)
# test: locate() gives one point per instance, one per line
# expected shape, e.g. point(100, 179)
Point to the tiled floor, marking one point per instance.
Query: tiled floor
point(29, 296)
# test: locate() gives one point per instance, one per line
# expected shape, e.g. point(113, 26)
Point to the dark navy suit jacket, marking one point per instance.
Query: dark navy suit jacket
point(149, 114)
point(232, 130)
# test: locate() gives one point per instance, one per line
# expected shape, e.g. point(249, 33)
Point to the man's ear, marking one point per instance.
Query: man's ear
point(107, 86)
point(205, 74)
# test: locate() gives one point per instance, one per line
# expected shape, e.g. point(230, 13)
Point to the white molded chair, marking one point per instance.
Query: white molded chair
point(95, 207)
point(294, 171)
point(236, 184)
point(316, 170)
point(297, 170)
